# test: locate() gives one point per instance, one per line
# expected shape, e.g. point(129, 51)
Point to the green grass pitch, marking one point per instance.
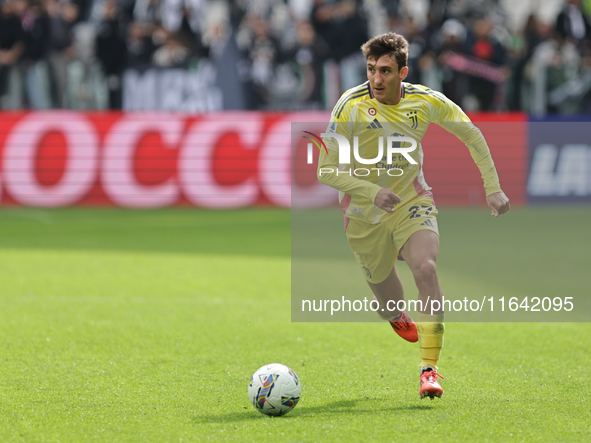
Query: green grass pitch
point(145, 326)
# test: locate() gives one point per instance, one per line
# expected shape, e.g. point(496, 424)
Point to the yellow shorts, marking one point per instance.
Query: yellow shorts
point(376, 247)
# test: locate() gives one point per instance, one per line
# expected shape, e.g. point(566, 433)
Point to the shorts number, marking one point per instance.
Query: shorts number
point(415, 210)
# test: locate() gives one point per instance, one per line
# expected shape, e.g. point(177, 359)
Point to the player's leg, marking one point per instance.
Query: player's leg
point(375, 252)
point(388, 293)
point(420, 252)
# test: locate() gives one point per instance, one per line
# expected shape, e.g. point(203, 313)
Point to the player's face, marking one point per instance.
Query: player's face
point(385, 79)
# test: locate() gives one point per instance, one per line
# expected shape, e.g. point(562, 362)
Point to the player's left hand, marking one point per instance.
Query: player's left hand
point(498, 203)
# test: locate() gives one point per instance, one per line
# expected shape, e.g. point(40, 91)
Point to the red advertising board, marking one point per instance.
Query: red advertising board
point(453, 175)
point(224, 160)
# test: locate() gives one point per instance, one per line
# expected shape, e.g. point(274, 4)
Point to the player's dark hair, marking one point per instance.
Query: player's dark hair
point(390, 44)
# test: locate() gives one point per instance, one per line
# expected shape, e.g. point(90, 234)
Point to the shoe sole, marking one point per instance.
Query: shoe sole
point(431, 396)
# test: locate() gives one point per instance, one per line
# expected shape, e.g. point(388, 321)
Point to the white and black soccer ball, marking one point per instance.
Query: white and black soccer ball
point(274, 389)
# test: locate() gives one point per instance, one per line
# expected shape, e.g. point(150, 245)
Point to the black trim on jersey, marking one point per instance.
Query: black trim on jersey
point(411, 91)
point(361, 94)
point(351, 96)
point(357, 90)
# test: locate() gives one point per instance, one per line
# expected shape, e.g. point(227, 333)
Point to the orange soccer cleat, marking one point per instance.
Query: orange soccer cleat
point(430, 387)
point(405, 327)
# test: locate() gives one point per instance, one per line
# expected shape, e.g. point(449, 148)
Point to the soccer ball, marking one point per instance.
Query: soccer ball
point(274, 389)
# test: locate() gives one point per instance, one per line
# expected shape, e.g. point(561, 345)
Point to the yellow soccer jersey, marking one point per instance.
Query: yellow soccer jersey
point(358, 114)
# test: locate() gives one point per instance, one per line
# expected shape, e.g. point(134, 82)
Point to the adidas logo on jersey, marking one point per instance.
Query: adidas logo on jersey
point(375, 124)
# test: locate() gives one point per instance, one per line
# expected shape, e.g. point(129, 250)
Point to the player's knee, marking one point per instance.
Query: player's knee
point(426, 271)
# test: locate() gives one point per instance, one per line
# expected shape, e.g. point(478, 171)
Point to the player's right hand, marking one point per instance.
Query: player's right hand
point(386, 199)
point(498, 203)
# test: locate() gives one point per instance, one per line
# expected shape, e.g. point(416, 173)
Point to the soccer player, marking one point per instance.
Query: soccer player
point(388, 207)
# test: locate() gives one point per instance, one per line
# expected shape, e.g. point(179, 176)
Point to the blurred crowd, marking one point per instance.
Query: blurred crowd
point(293, 54)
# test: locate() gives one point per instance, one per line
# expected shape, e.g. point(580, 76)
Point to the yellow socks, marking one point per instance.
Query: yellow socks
point(430, 328)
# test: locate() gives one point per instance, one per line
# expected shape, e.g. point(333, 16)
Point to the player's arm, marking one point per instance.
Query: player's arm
point(451, 117)
point(329, 171)
point(329, 174)
point(328, 165)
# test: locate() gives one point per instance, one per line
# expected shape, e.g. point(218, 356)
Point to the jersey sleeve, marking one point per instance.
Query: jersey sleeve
point(450, 117)
point(343, 180)
point(328, 163)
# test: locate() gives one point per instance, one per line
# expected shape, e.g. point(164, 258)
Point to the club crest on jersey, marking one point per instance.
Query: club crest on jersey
point(372, 111)
point(412, 115)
